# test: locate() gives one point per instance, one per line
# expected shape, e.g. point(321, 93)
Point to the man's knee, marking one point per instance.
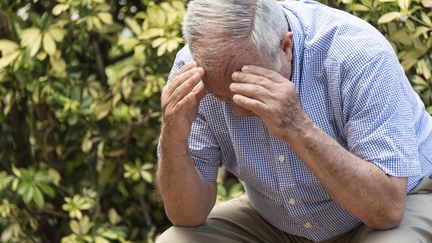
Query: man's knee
point(392, 236)
point(175, 234)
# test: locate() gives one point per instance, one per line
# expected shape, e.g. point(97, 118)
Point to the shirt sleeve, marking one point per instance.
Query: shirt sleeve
point(379, 121)
point(203, 145)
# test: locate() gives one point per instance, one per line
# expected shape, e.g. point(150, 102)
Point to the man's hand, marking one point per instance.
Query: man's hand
point(180, 100)
point(344, 176)
point(187, 197)
point(273, 98)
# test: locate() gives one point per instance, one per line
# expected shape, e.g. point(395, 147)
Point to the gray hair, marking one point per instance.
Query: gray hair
point(212, 28)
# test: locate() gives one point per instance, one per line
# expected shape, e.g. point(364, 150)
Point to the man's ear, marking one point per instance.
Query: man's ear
point(287, 45)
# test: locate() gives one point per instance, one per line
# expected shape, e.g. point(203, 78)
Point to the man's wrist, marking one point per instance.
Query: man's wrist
point(172, 145)
point(302, 131)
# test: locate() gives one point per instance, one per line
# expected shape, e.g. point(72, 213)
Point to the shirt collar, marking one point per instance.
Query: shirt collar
point(297, 30)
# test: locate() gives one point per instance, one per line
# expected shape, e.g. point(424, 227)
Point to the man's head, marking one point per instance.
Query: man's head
point(225, 35)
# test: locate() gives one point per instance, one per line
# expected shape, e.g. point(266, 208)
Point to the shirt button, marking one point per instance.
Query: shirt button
point(308, 225)
point(281, 158)
point(292, 201)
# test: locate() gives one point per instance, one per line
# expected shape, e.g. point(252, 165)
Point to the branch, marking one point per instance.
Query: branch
point(120, 58)
point(17, 118)
point(20, 133)
point(4, 28)
point(100, 67)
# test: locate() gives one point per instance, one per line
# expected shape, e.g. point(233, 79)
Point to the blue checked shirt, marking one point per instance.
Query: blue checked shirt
point(351, 84)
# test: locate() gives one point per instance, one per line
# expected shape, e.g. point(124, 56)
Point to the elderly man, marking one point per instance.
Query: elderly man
point(309, 107)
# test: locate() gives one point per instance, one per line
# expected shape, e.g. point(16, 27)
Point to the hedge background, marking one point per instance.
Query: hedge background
point(79, 110)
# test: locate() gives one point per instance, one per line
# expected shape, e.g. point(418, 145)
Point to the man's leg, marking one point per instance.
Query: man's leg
point(231, 222)
point(416, 226)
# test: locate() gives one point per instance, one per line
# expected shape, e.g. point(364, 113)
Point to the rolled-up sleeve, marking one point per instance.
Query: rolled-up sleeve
point(379, 123)
point(203, 146)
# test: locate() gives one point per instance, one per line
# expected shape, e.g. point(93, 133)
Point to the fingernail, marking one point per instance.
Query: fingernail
point(245, 68)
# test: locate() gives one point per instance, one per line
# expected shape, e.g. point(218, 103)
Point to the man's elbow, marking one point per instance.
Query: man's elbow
point(187, 221)
point(386, 220)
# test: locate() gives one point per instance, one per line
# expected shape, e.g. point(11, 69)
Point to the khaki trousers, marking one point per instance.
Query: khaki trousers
point(236, 221)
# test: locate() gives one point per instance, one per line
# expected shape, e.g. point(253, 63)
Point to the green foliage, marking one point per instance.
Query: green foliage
point(79, 117)
point(79, 110)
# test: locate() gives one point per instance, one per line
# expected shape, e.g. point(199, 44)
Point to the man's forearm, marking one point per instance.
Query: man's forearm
point(187, 197)
point(357, 185)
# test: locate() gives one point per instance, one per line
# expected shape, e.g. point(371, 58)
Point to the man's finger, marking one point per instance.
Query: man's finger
point(183, 77)
point(263, 72)
point(251, 90)
point(191, 101)
point(250, 104)
point(183, 69)
point(186, 87)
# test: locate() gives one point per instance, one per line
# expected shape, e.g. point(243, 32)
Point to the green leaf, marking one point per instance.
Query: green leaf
point(389, 17)
point(221, 190)
point(426, 19)
point(147, 176)
point(172, 45)
point(419, 80)
point(85, 224)
point(113, 216)
point(359, 8)
point(28, 194)
point(59, 8)
point(72, 119)
point(49, 44)
point(38, 198)
point(32, 38)
point(158, 42)
point(75, 228)
point(133, 25)
point(36, 47)
point(97, 23)
point(9, 58)
point(427, 3)
point(105, 17)
point(23, 187)
point(57, 34)
point(99, 239)
point(147, 166)
point(404, 4)
point(58, 64)
point(402, 36)
point(15, 184)
point(102, 110)
point(139, 53)
point(16, 171)
point(47, 190)
point(422, 30)
point(7, 46)
point(55, 175)
point(161, 50)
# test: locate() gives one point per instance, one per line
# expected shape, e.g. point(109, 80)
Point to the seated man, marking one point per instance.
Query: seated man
point(310, 108)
